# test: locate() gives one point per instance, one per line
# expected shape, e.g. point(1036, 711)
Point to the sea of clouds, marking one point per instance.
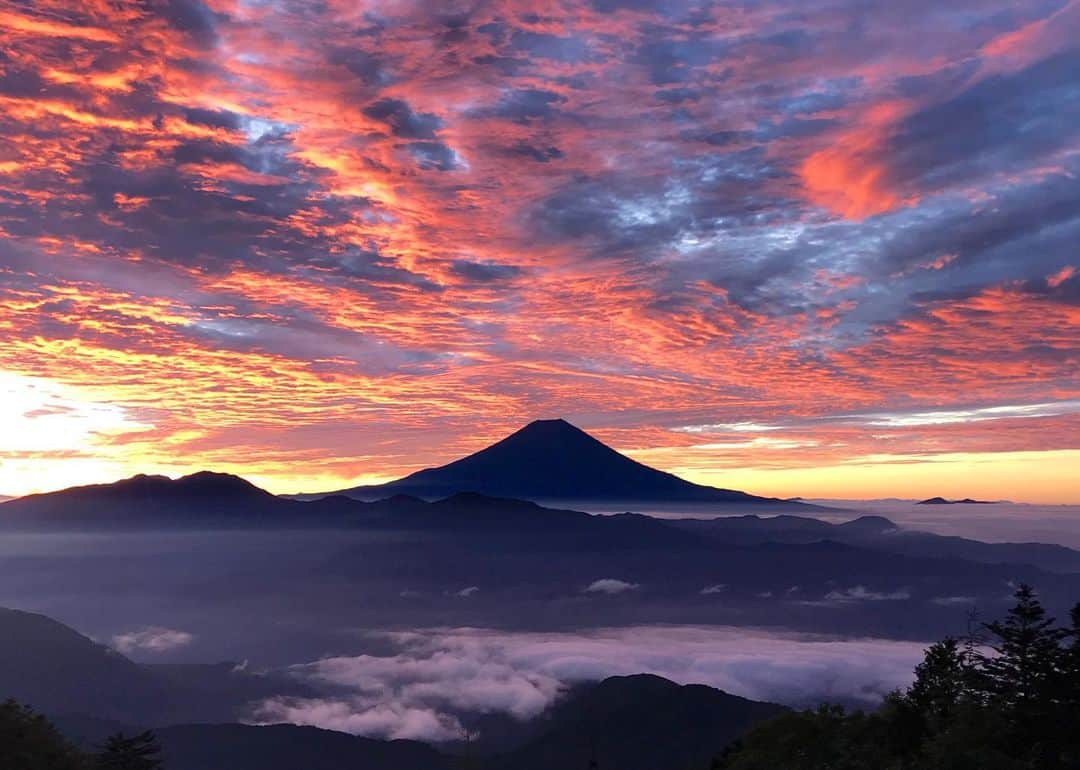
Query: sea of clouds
point(430, 677)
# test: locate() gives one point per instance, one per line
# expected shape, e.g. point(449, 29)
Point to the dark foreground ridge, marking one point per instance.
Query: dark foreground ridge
point(90, 693)
point(554, 460)
point(1007, 697)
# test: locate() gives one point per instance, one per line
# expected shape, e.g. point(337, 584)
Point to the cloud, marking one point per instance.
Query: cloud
point(949, 601)
point(1000, 412)
point(863, 594)
point(434, 156)
point(153, 639)
point(468, 591)
point(401, 119)
point(420, 689)
point(719, 588)
point(361, 716)
point(871, 212)
point(610, 586)
point(484, 272)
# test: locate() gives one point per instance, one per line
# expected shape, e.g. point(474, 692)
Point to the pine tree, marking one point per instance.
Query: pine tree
point(1070, 692)
point(1022, 678)
point(1021, 674)
point(1017, 708)
point(139, 752)
point(28, 741)
point(1071, 662)
point(940, 684)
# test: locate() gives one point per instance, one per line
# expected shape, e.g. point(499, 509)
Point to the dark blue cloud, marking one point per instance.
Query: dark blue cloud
point(1000, 123)
point(403, 121)
point(484, 272)
point(525, 104)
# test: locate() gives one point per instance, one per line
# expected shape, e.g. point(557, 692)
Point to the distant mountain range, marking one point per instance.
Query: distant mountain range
point(943, 501)
point(532, 564)
point(880, 533)
point(552, 460)
point(548, 460)
point(208, 499)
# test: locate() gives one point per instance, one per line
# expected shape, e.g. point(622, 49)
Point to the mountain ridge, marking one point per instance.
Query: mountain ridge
point(944, 501)
point(555, 460)
point(615, 721)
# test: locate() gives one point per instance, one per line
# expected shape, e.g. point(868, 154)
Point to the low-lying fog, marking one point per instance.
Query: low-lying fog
point(402, 637)
point(992, 522)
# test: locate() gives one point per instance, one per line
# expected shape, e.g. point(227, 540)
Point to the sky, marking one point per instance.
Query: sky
point(790, 246)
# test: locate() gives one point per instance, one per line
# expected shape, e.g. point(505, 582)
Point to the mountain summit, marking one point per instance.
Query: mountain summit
point(553, 460)
point(145, 497)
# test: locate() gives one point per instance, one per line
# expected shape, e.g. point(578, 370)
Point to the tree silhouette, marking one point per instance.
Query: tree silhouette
point(28, 741)
point(1015, 706)
point(940, 682)
point(139, 752)
point(1022, 676)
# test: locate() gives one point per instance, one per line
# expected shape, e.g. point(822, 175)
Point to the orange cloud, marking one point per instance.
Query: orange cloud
point(213, 249)
point(851, 176)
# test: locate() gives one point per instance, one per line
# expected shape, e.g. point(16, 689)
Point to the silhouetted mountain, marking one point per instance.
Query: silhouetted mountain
point(533, 565)
point(879, 533)
point(58, 670)
point(640, 722)
point(269, 747)
point(213, 501)
point(204, 494)
point(553, 460)
point(289, 747)
point(943, 501)
point(55, 668)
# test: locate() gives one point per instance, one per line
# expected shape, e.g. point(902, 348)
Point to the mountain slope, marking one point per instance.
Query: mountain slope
point(640, 722)
point(289, 747)
point(553, 460)
point(54, 668)
point(58, 670)
point(231, 746)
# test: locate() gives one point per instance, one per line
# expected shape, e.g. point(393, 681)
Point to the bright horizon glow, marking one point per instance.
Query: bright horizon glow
point(1046, 478)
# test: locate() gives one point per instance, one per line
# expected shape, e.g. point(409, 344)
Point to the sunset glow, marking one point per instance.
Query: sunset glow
point(755, 244)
